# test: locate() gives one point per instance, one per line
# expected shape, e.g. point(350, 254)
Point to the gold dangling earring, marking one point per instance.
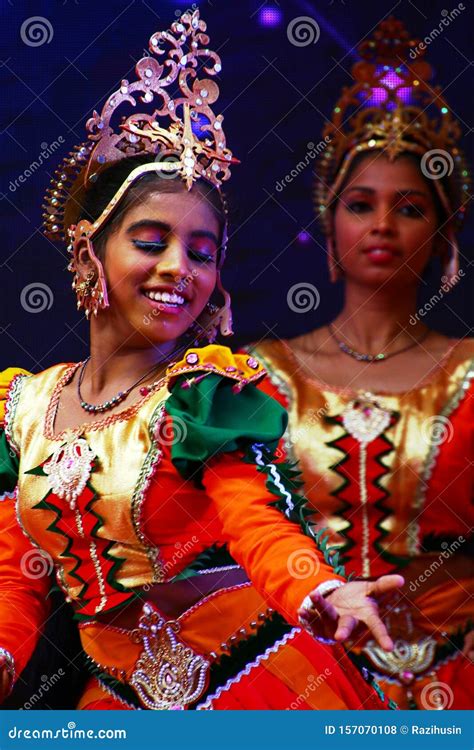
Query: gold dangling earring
point(451, 262)
point(333, 265)
point(215, 319)
point(84, 289)
point(91, 295)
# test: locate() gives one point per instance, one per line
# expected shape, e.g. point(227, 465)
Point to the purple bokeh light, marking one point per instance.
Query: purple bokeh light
point(391, 80)
point(303, 237)
point(270, 16)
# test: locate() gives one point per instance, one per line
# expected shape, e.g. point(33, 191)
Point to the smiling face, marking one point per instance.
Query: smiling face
point(160, 267)
point(385, 222)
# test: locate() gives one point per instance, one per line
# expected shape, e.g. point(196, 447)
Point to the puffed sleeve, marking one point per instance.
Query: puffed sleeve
point(23, 604)
point(227, 436)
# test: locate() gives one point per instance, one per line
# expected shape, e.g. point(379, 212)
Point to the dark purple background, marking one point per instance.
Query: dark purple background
point(274, 96)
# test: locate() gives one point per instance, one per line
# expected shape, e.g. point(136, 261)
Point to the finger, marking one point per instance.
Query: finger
point(324, 606)
point(345, 626)
point(384, 584)
point(379, 631)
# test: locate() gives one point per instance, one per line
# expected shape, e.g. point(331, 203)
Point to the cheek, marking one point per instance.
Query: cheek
point(205, 284)
point(348, 231)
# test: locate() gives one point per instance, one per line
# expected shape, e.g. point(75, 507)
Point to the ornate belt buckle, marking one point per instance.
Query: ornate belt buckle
point(168, 675)
point(406, 661)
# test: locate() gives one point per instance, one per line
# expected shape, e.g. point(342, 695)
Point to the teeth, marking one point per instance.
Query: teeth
point(171, 299)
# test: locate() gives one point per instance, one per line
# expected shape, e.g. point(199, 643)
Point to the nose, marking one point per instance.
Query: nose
point(173, 263)
point(385, 220)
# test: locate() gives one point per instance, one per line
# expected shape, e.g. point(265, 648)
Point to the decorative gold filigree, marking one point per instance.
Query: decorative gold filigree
point(409, 115)
point(405, 661)
point(69, 468)
point(181, 131)
point(168, 674)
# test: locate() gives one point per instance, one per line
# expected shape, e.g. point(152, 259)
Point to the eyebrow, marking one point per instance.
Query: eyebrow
point(154, 224)
point(402, 193)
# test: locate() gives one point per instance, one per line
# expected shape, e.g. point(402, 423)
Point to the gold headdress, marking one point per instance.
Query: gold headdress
point(180, 130)
point(392, 106)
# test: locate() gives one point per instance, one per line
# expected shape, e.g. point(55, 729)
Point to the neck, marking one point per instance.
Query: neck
point(372, 321)
point(113, 368)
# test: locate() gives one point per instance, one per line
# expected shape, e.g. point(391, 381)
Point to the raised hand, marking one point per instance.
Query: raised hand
point(348, 606)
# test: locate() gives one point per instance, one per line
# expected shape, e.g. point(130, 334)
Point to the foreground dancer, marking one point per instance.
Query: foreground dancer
point(380, 406)
point(134, 462)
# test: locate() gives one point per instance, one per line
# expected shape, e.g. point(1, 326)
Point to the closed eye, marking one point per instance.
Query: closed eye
point(149, 247)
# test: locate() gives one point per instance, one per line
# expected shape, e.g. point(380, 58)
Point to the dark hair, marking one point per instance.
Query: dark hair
point(109, 181)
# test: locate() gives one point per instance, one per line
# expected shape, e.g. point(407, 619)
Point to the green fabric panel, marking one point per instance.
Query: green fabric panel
point(8, 465)
point(209, 418)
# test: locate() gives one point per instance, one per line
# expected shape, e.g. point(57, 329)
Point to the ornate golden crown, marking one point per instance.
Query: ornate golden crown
point(192, 146)
point(392, 106)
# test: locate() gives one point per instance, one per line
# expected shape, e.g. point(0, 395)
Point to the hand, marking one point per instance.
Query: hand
point(5, 681)
point(468, 648)
point(349, 605)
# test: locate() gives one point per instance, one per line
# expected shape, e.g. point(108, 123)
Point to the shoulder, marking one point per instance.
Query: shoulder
point(7, 377)
point(215, 408)
point(459, 360)
point(243, 368)
point(20, 390)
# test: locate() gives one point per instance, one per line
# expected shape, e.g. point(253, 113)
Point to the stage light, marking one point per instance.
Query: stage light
point(303, 236)
point(270, 16)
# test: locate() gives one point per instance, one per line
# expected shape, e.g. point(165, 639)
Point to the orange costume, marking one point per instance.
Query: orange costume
point(129, 506)
point(390, 475)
